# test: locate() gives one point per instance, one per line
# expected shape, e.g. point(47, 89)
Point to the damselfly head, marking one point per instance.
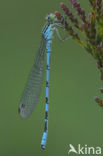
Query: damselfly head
point(51, 18)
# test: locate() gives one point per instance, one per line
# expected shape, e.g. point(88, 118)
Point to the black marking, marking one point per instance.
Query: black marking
point(47, 84)
point(49, 50)
point(45, 29)
point(45, 128)
point(47, 100)
point(46, 115)
point(19, 110)
point(48, 67)
point(42, 146)
point(23, 105)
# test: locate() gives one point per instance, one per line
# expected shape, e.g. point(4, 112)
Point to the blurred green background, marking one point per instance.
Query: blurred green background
point(73, 115)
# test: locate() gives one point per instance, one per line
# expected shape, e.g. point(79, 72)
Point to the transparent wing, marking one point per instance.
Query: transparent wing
point(32, 89)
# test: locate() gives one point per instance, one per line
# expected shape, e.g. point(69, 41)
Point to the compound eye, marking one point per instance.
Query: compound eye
point(47, 17)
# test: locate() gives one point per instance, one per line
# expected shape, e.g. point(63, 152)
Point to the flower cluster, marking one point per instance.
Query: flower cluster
point(91, 28)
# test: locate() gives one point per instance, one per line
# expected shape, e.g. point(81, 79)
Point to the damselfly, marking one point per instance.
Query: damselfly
point(33, 87)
